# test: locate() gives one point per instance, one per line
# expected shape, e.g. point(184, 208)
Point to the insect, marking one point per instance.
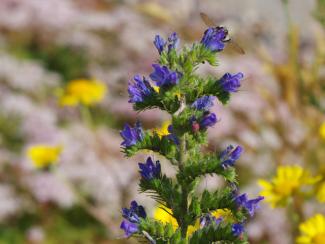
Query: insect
point(210, 23)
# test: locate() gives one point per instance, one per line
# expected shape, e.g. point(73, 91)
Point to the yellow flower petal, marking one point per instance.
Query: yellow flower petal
point(43, 156)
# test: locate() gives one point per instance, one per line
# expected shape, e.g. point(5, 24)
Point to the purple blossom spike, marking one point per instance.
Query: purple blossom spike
point(139, 90)
point(231, 83)
point(237, 229)
point(131, 135)
point(250, 205)
point(159, 43)
point(163, 76)
point(208, 120)
point(229, 156)
point(203, 103)
point(149, 170)
point(214, 38)
point(173, 41)
point(129, 228)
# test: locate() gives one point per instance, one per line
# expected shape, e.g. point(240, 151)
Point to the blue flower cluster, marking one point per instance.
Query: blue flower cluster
point(203, 103)
point(164, 76)
point(132, 135)
point(214, 38)
point(231, 83)
point(132, 218)
point(160, 43)
point(230, 155)
point(139, 90)
point(149, 170)
point(208, 120)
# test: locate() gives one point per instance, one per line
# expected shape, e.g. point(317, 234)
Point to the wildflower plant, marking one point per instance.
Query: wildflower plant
point(191, 216)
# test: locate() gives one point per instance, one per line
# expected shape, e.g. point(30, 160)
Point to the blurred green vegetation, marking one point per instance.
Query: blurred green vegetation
point(11, 135)
point(72, 225)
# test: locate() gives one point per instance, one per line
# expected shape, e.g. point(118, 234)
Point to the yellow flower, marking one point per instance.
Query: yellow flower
point(163, 130)
point(321, 193)
point(85, 92)
point(43, 156)
point(224, 213)
point(322, 130)
point(312, 230)
point(289, 179)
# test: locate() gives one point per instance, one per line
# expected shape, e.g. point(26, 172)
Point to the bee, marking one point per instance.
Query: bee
point(210, 23)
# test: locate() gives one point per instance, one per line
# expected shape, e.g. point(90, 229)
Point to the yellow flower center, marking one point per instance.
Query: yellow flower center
point(319, 238)
point(285, 188)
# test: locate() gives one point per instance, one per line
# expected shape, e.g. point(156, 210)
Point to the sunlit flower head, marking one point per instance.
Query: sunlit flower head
point(312, 231)
point(322, 130)
point(84, 92)
point(288, 180)
point(43, 156)
point(163, 130)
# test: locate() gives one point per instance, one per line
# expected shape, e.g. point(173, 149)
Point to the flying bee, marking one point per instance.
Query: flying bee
point(210, 23)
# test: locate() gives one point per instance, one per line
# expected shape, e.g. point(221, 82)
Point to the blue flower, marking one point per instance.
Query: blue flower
point(139, 90)
point(163, 76)
point(229, 156)
point(250, 205)
point(214, 38)
point(237, 229)
point(171, 136)
point(208, 120)
point(173, 41)
point(203, 103)
point(134, 213)
point(132, 218)
point(149, 170)
point(159, 43)
point(129, 228)
point(231, 83)
point(131, 135)
point(209, 219)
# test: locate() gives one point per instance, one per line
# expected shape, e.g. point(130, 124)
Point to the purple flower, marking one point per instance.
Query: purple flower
point(149, 170)
point(134, 213)
point(173, 41)
point(229, 156)
point(208, 120)
point(163, 76)
point(129, 228)
point(250, 205)
point(203, 103)
point(209, 219)
point(159, 43)
point(231, 83)
point(214, 38)
point(131, 135)
point(139, 90)
point(237, 229)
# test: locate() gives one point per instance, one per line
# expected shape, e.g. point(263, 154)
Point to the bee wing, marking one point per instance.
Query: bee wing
point(206, 19)
point(236, 47)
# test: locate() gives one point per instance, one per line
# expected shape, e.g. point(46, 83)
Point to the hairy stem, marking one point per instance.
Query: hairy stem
point(182, 158)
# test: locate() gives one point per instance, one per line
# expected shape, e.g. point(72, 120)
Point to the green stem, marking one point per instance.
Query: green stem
point(86, 115)
point(182, 158)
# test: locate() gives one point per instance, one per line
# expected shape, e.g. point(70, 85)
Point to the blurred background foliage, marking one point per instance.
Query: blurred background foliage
point(277, 116)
